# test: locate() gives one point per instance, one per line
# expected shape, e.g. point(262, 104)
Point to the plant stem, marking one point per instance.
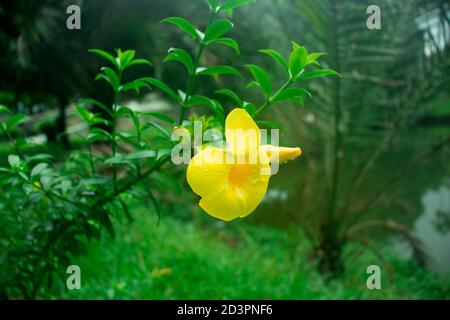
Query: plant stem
point(269, 100)
point(192, 76)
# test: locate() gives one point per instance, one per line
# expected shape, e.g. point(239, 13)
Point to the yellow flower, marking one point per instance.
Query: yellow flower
point(232, 182)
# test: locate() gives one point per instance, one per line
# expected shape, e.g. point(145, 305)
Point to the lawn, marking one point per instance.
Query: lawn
point(195, 260)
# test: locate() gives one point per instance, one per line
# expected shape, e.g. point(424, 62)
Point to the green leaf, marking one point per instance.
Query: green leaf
point(185, 26)
point(232, 4)
point(268, 124)
point(38, 169)
point(217, 29)
point(312, 57)
point(162, 86)
point(181, 56)
point(14, 120)
point(229, 43)
point(105, 55)
point(291, 93)
point(110, 76)
point(159, 116)
point(200, 101)
point(213, 4)
point(250, 108)
point(142, 154)
point(117, 159)
point(14, 160)
point(216, 70)
point(39, 158)
point(97, 104)
point(262, 78)
point(4, 109)
point(318, 73)
point(232, 95)
point(297, 61)
point(135, 85)
point(214, 105)
point(277, 57)
point(125, 58)
point(85, 114)
point(158, 128)
point(102, 133)
point(139, 61)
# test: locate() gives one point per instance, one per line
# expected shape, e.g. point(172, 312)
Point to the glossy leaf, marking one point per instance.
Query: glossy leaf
point(185, 26)
point(162, 86)
point(217, 70)
point(297, 61)
point(232, 95)
point(141, 154)
point(181, 56)
point(139, 62)
point(110, 76)
point(125, 58)
point(105, 55)
point(291, 93)
point(277, 57)
point(232, 4)
point(4, 109)
point(159, 116)
point(318, 73)
point(95, 103)
point(14, 160)
point(38, 169)
point(217, 29)
point(15, 120)
point(262, 78)
point(229, 43)
point(250, 108)
point(135, 85)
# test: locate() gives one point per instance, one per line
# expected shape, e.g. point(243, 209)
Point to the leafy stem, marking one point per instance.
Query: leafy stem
point(270, 99)
point(192, 75)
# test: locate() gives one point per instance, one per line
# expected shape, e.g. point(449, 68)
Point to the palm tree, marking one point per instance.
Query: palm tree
point(390, 78)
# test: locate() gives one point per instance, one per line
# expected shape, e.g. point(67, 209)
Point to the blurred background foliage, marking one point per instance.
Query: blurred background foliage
point(374, 175)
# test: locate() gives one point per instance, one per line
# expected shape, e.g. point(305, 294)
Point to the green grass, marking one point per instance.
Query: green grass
point(194, 260)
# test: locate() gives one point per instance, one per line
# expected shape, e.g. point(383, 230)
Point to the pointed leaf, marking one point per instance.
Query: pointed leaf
point(318, 73)
point(216, 70)
point(232, 95)
point(217, 29)
point(229, 43)
point(277, 57)
point(105, 55)
point(262, 78)
point(184, 25)
point(181, 56)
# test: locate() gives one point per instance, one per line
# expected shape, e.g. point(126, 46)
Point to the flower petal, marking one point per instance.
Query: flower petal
point(208, 171)
point(278, 154)
point(242, 133)
point(245, 191)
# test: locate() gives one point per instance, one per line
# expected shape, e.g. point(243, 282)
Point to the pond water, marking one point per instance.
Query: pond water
point(436, 243)
point(427, 192)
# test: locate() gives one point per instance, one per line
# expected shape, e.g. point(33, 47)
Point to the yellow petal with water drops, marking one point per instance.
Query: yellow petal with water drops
point(247, 185)
point(242, 133)
point(208, 171)
point(278, 154)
